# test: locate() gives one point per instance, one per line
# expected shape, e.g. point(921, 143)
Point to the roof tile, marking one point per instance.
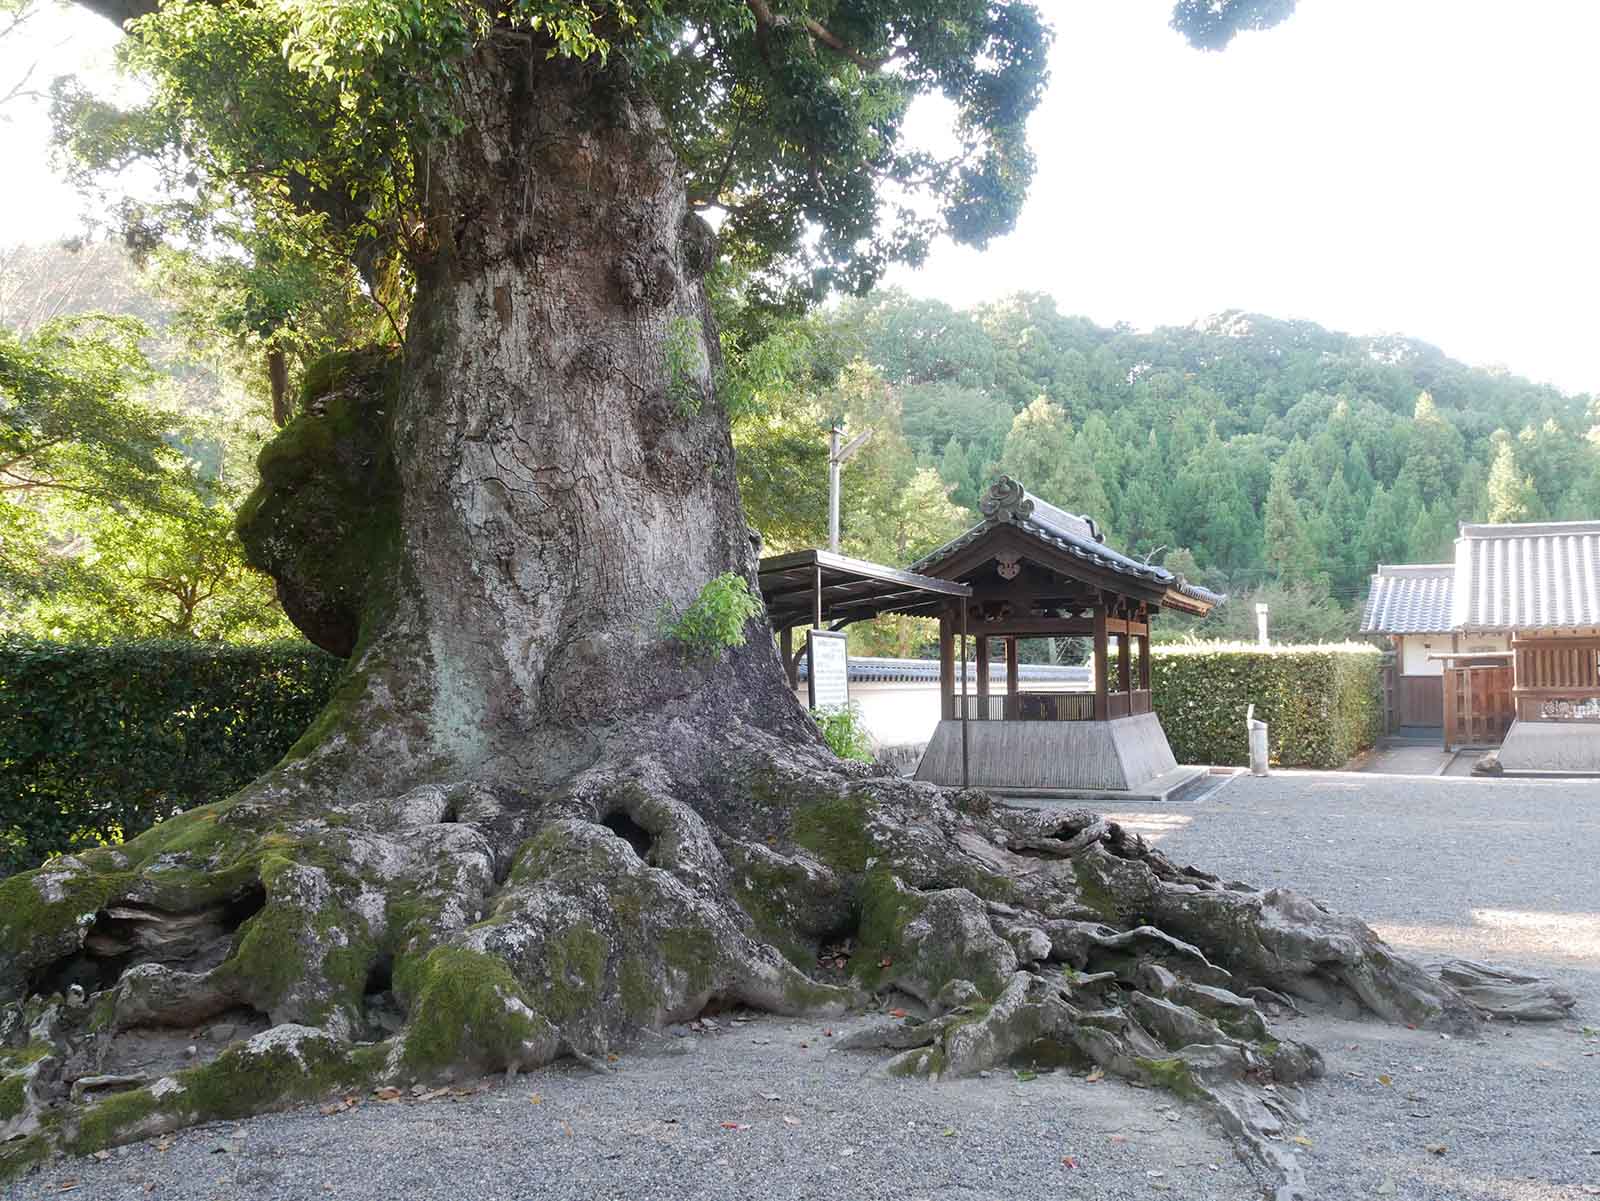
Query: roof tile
point(1411, 598)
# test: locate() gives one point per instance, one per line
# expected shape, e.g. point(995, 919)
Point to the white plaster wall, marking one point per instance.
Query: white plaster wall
point(895, 714)
point(1415, 649)
point(906, 713)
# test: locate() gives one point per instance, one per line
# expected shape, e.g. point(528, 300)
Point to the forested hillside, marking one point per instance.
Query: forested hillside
point(1271, 459)
point(1252, 452)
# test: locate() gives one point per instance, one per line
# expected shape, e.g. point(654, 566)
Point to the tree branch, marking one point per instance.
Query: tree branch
point(767, 20)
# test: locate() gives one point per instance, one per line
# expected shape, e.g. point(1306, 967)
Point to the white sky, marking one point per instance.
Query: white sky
point(1425, 167)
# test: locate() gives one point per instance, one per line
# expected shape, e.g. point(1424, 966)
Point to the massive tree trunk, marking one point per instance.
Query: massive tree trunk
point(532, 825)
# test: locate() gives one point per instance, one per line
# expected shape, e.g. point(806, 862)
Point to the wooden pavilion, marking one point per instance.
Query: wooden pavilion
point(1027, 570)
point(1037, 571)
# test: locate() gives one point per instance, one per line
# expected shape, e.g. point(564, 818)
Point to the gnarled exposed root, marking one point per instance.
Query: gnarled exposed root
point(474, 927)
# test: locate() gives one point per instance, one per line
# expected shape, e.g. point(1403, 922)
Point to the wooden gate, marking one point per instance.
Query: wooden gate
point(1387, 674)
point(1421, 701)
point(1477, 704)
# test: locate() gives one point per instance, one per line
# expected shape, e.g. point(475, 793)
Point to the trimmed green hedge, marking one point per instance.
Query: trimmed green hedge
point(96, 741)
point(1322, 704)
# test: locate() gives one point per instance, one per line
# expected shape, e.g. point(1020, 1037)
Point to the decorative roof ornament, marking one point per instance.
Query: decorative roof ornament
point(1006, 501)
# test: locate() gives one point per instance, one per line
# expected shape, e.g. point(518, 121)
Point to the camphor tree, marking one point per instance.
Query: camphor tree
point(532, 823)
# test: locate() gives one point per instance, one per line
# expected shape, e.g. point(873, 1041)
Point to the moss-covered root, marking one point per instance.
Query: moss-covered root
point(586, 944)
point(1271, 938)
point(277, 1068)
point(1156, 1041)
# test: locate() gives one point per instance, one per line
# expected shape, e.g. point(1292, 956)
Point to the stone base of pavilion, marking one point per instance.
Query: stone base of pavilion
point(1126, 758)
point(1551, 748)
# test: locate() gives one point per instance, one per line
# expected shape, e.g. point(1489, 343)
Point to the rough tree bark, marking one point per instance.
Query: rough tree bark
point(531, 826)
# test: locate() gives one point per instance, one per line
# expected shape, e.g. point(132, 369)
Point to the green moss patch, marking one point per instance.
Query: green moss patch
point(834, 829)
point(465, 1007)
point(244, 1080)
point(886, 909)
point(1172, 1074)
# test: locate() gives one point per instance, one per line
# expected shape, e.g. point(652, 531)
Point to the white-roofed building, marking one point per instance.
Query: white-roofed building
point(1507, 636)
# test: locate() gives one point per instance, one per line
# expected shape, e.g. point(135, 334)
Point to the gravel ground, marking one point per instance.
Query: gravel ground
point(1497, 870)
point(1505, 871)
point(812, 1123)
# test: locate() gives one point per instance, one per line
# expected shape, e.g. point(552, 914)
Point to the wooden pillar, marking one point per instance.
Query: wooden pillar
point(1144, 661)
point(1125, 665)
point(1013, 706)
point(791, 667)
point(947, 667)
point(965, 775)
point(1102, 706)
point(1448, 684)
point(983, 674)
point(816, 599)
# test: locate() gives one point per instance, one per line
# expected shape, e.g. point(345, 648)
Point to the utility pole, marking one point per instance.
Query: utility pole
point(838, 456)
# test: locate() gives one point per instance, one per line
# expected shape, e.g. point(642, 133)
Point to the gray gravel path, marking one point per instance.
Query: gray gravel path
point(1497, 870)
point(1507, 871)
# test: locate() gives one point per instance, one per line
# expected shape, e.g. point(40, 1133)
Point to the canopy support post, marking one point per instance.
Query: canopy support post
point(966, 777)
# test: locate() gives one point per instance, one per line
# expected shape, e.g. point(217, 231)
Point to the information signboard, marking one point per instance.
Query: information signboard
point(827, 669)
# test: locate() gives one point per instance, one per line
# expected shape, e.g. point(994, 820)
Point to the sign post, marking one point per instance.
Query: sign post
point(828, 669)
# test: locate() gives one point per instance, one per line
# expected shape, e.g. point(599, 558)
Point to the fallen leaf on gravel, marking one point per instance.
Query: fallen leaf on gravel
point(1096, 1076)
point(1070, 1161)
point(567, 1127)
point(736, 1125)
point(1024, 1075)
point(536, 1099)
point(899, 1013)
point(1119, 1138)
point(66, 1186)
point(1302, 1140)
point(1436, 1148)
point(790, 1120)
point(387, 1093)
point(1385, 1080)
point(102, 1155)
point(332, 1108)
point(948, 1132)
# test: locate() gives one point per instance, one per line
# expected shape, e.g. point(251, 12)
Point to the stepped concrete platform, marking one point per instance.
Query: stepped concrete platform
point(1125, 758)
point(1551, 748)
point(1180, 784)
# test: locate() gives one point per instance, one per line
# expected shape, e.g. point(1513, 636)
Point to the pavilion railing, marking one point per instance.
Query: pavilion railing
point(1129, 704)
point(1027, 706)
point(1555, 667)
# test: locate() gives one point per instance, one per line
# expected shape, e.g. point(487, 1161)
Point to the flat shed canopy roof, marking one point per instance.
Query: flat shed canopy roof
point(852, 589)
